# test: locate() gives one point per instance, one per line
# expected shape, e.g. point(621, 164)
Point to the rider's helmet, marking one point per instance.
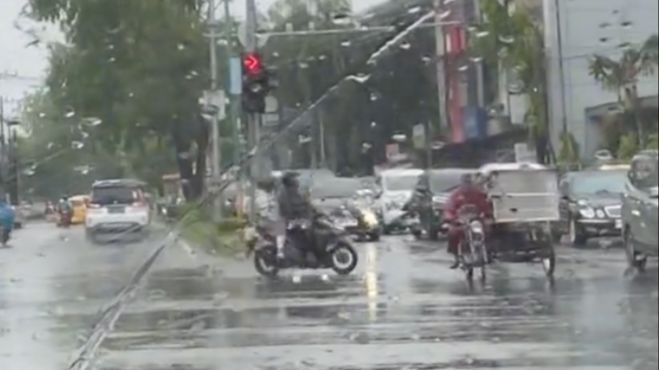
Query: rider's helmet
point(467, 179)
point(290, 180)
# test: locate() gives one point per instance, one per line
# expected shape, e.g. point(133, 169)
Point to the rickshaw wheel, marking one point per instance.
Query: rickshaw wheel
point(469, 273)
point(549, 262)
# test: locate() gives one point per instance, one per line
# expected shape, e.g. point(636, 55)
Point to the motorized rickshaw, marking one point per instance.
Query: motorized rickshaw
point(525, 200)
point(79, 205)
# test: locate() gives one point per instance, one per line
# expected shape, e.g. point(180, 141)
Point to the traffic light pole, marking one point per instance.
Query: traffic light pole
point(215, 128)
point(252, 118)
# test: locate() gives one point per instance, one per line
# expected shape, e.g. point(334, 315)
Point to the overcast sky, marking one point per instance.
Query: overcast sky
point(31, 62)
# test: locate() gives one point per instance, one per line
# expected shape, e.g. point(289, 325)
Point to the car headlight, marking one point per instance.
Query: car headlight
point(587, 212)
point(369, 218)
point(476, 227)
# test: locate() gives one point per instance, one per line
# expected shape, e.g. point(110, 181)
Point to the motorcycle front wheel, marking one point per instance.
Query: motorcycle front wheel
point(265, 262)
point(344, 259)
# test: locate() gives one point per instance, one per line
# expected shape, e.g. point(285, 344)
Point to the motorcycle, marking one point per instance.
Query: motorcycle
point(316, 244)
point(64, 219)
point(472, 252)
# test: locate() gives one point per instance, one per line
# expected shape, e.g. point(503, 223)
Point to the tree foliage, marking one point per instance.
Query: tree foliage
point(621, 76)
point(139, 66)
point(513, 42)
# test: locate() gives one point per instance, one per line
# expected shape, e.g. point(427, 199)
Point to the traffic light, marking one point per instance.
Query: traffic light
point(256, 83)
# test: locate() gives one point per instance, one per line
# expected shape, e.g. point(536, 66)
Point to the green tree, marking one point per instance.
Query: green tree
point(514, 42)
point(140, 66)
point(621, 76)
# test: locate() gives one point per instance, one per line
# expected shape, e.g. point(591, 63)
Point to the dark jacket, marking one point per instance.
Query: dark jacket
point(292, 205)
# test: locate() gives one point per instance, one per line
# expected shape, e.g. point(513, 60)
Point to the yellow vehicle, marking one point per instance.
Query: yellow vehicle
point(79, 205)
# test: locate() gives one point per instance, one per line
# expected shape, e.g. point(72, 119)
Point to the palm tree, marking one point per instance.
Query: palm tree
point(621, 76)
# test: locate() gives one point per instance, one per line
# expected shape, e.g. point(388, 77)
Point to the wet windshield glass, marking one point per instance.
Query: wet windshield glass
point(603, 183)
point(205, 105)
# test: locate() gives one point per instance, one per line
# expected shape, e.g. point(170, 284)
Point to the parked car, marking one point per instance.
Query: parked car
point(639, 210)
point(591, 203)
point(395, 188)
point(118, 210)
point(20, 218)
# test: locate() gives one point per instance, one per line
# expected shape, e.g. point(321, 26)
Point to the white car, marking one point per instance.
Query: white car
point(394, 189)
point(118, 210)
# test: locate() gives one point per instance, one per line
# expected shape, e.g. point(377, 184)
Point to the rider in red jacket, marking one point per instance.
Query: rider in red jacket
point(467, 194)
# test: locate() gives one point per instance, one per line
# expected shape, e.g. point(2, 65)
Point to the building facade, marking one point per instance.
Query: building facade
point(574, 32)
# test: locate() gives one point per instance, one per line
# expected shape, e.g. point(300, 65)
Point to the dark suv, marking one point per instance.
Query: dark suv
point(639, 211)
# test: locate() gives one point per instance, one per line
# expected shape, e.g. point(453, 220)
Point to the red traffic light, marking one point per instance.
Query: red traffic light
point(252, 63)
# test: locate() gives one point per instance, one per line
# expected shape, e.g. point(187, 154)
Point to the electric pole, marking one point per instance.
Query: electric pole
point(215, 128)
point(252, 118)
point(234, 91)
point(440, 58)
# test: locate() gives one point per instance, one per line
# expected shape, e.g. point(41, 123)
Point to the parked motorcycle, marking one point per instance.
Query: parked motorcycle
point(315, 244)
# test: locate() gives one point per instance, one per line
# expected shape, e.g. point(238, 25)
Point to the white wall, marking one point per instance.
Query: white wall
point(581, 31)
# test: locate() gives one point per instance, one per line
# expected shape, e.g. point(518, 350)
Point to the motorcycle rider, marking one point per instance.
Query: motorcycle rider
point(467, 193)
point(65, 211)
point(292, 206)
point(421, 201)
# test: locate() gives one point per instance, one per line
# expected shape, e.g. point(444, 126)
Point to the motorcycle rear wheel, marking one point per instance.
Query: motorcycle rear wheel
point(263, 263)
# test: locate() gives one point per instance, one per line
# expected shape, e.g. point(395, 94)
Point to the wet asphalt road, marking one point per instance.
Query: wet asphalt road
point(402, 309)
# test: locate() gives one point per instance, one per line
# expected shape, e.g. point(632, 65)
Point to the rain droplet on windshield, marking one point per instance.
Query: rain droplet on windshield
point(626, 24)
point(93, 121)
point(463, 68)
point(374, 97)
point(346, 44)
point(506, 39)
point(406, 45)
point(180, 47)
point(445, 14)
point(414, 10)
point(30, 171)
point(341, 19)
point(42, 115)
point(77, 145)
point(482, 34)
point(70, 114)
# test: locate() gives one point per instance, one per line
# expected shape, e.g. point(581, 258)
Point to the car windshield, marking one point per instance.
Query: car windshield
point(337, 189)
point(442, 182)
point(114, 195)
point(602, 183)
point(400, 182)
point(210, 104)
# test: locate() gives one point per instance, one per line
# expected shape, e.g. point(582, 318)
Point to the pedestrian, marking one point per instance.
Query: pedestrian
point(7, 219)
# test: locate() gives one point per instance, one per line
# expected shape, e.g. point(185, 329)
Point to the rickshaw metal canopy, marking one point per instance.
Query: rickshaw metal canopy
point(522, 192)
